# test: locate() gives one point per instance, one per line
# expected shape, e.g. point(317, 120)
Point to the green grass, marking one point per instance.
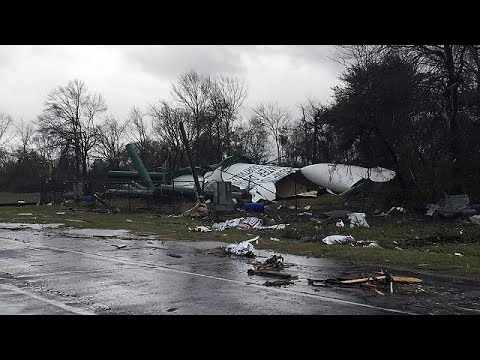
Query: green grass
point(416, 236)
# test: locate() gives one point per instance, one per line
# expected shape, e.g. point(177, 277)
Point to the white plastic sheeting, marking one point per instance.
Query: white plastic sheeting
point(338, 178)
point(242, 249)
point(357, 219)
point(251, 222)
point(338, 239)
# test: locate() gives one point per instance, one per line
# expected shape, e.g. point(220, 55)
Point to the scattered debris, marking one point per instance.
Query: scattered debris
point(382, 279)
point(200, 209)
point(339, 239)
point(378, 292)
point(200, 229)
point(340, 223)
point(272, 273)
point(129, 220)
point(271, 268)
point(398, 248)
point(452, 205)
point(307, 207)
point(357, 219)
point(245, 248)
point(398, 208)
point(458, 254)
point(278, 283)
point(75, 220)
point(475, 219)
point(174, 255)
point(274, 239)
point(247, 223)
point(274, 262)
point(119, 246)
point(60, 213)
point(25, 214)
point(305, 213)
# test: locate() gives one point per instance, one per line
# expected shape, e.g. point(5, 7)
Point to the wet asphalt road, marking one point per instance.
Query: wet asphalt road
point(58, 271)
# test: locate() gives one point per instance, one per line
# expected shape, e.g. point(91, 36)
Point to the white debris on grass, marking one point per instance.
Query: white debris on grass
point(200, 229)
point(338, 239)
point(340, 223)
point(247, 223)
point(357, 219)
point(458, 254)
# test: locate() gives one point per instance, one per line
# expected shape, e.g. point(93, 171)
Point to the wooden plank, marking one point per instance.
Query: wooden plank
point(268, 273)
point(406, 279)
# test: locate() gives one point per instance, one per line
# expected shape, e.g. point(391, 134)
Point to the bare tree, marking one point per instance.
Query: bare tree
point(227, 95)
point(5, 122)
point(192, 91)
point(276, 118)
point(112, 140)
point(25, 132)
point(165, 122)
point(69, 120)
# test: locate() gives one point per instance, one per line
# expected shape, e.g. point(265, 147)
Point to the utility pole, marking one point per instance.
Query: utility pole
point(199, 191)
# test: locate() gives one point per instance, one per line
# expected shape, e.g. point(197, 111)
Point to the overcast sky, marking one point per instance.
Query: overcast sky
point(138, 75)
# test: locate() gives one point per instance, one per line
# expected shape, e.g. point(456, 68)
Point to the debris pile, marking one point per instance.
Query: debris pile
point(451, 206)
point(381, 280)
point(272, 268)
point(245, 248)
point(247, 223)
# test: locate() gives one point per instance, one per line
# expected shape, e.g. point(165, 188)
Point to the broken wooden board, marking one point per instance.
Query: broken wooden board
point(399, 279)
point(278, 283)
point(269, 273)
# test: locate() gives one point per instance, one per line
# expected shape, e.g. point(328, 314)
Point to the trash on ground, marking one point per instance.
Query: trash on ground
point(274, 239)
point(339, 239)
point(278, 283)
point(305, 213)
point(129, 220)
point(271, 268)
point(382, 280)
point(247, 223)
point(274, 262)
point(174, 255)
point(200, 228)
point(245, 248)
point(458, 254)
point(75, 220)
point(307, 207)
point(357, 219)
point(25, 214)
point(340, 223)
point(60, 213)
point(397, 208)
point(398, 248)
point(200, 209)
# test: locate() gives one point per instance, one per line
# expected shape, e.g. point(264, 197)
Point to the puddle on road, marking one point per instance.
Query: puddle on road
point(22, 226)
